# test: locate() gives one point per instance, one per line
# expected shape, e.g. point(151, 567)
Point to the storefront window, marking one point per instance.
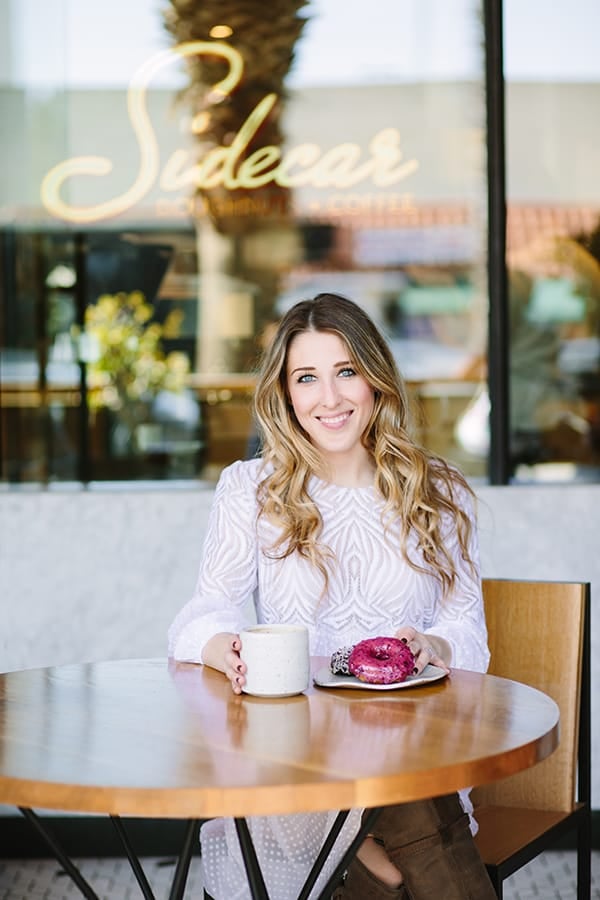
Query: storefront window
point(553, 194)
point(203, 173)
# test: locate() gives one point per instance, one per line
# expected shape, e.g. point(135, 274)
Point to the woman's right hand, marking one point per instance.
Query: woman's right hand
point(222, 652)
point(235, 669)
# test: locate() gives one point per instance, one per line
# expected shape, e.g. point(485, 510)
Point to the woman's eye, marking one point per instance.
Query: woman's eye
point(304, 379)
point(346, 372)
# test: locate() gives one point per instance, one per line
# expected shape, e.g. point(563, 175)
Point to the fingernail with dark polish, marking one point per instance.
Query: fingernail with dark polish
point(404, 641)
point(415, 670)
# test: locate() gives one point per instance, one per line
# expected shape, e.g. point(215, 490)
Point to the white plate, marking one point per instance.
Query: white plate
point(325, 678)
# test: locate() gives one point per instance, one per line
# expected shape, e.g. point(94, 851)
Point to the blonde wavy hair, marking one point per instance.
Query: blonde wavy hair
point(418, 487)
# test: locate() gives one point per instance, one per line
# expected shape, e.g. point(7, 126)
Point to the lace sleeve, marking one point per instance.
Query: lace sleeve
point(460, 617)
point(222, 600)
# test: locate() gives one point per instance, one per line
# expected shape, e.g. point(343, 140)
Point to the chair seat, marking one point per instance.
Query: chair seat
point(510, 833)
point(527, 621)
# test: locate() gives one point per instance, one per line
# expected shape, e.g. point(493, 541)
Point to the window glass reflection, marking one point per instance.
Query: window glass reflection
point(228, 162)
point(553, 247)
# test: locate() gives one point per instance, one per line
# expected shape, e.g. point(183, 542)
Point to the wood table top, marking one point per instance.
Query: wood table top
point(160, 739)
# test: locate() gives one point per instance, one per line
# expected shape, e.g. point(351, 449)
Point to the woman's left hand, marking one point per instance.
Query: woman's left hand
point(426, 648)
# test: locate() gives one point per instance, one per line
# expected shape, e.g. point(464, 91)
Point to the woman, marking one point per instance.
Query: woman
point(347, 526)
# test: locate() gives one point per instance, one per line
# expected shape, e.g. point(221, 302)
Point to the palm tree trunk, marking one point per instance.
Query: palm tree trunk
point(233, 278)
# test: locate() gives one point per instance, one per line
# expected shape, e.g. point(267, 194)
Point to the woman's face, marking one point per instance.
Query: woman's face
point(332, 402)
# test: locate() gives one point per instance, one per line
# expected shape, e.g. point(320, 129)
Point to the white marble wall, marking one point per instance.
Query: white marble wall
point(87, 575)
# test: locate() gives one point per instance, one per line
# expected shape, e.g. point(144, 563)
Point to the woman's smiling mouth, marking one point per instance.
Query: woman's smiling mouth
point(334, 421)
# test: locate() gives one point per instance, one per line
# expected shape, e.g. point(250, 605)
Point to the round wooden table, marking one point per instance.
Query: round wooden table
point(155, 738)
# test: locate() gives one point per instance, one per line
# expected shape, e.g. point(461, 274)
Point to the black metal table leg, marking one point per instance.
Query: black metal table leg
point(134, 862)
point(255, 876)
point(367, 822)
point(69, 867)
point(183, 863)
point(181, 871)
point(325, 851)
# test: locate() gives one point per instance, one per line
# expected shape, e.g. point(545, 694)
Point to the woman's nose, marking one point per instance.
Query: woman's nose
point(330, 395)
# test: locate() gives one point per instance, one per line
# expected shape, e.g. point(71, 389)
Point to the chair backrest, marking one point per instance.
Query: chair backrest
point(538, 634)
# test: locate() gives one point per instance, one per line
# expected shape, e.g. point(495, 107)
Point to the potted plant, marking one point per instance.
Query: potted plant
point(127, 368)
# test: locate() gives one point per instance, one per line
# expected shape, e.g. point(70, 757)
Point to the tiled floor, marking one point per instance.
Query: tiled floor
point(550, 877)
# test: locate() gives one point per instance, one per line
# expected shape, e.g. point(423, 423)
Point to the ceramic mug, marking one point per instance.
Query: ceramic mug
point(277, 659)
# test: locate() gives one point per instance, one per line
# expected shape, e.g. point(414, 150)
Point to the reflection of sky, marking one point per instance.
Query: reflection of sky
point(88, 44)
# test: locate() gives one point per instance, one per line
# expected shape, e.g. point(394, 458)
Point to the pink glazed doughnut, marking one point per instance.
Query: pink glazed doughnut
point(381, 660)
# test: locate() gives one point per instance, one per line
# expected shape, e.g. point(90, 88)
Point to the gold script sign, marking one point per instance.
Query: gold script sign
point(342, 166)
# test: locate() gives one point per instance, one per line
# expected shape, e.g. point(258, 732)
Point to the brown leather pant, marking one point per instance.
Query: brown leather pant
point(431, 844)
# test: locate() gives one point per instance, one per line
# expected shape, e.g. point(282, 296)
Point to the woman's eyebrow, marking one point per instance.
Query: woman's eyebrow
point(337, 365)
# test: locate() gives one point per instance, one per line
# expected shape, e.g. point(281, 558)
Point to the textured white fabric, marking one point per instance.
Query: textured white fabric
point(372, 591)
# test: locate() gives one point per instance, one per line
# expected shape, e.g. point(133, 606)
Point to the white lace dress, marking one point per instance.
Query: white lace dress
point(371, 591)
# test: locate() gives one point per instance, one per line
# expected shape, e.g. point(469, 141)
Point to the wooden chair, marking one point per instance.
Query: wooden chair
point(539, 635)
